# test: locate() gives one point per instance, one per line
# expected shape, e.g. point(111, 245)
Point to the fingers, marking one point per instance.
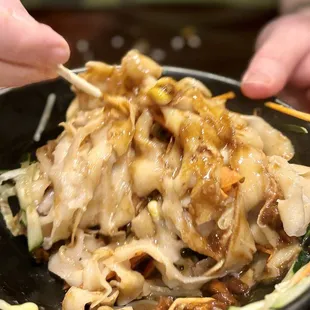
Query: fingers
point(280, 51)
point(300, 78)
point(27, 42)
point(299, 99)
point(13, 75)
point(29, 51)
point(265, 33)
point(15, 5)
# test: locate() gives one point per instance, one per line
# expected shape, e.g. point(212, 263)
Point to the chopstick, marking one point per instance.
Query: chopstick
point(51, 99)
point(94, 91)
point(78, 82)
point(280, 108)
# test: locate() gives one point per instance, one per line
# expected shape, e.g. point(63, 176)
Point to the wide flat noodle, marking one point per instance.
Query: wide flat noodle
point(296, 193)
point(156, 188)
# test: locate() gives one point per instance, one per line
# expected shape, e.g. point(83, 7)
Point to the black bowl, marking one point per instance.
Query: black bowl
point(21, 278)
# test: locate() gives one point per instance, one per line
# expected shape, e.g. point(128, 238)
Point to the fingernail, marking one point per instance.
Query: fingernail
point(256, 78)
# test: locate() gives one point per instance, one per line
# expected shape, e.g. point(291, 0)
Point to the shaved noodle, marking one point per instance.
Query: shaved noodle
point(275, 143)
point(154, 189)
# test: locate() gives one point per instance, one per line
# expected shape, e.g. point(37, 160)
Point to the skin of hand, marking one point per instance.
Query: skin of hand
point(281, 64)
point(29, 51)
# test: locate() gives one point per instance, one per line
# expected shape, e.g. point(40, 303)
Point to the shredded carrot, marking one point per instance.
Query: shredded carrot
point(226, 96)
point(288, 111)
point(302, 274)
point(228, 178)
point(264, 249)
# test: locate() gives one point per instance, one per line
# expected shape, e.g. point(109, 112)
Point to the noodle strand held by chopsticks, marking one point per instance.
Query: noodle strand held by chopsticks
point(78, 82)
point(280, 108)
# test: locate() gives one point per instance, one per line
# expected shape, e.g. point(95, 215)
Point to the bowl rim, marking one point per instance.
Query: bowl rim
point(170, 69)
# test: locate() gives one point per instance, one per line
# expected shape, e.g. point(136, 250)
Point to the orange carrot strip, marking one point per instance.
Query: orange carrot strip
point(288, 111)
point(226, 96)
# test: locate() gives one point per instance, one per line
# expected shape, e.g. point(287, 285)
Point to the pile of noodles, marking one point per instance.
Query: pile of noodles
point(157, 190)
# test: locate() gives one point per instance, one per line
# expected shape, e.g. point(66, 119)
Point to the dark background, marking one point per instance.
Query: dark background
point(214, 38)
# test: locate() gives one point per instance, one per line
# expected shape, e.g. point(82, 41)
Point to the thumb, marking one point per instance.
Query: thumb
point(15, 6)
point(279, 54)
point(28, 42)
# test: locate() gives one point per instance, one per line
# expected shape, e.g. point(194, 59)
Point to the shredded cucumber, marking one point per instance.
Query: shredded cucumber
point(12, 222)
point(284, 293)
point(34, 232)
point(291, 294)
point(11, 175)
point(29, 216)
point(253, 306)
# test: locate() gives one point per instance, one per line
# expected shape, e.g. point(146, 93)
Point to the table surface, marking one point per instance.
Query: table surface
point(210, 38)
point(117, 3)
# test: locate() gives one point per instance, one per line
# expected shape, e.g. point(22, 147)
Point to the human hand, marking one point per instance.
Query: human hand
point(29, 51)
point(281, 64)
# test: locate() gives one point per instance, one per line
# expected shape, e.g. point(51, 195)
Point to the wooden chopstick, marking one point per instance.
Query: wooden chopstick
point(280, 108)
point(78, 82)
